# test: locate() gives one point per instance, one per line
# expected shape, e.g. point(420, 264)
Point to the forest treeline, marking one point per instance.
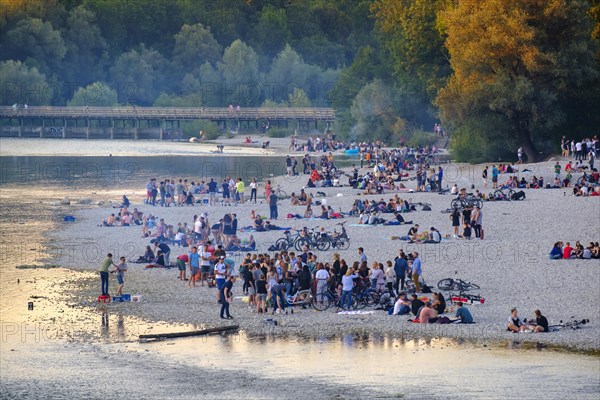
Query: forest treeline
point(497, 74)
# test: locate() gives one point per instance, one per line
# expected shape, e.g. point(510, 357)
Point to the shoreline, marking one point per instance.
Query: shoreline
point(167, 300)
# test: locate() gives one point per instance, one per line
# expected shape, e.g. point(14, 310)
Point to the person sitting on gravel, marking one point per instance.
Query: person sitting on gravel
point(557, 252)
point(514, 322)
point(427, 314)
point(402, 305)
point(541, 322)
point(463, 315)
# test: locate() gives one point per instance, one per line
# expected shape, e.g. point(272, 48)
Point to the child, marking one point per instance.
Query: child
point(120, 270)
point(467, 231)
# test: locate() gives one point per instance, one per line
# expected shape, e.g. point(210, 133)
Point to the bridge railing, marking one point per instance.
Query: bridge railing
point(133, 112)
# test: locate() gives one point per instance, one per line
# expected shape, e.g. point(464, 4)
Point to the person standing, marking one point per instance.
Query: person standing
point(495, 173)
point(347, 286)
point(121, 268)
point(416, 271)
point(476, 221)
point(226, 295)
point(273, 214)
point(440, 177)
point(400, 268)
point(362, 257)
point(239, 190)
point(212, 192)
point(220, 278)
point(194, 265)
point(484, 176)
point(205, 257)
point(520, 155)
point(104, 265)
point(253, 190)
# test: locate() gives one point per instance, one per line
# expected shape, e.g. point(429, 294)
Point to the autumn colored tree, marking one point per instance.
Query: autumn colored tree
point(514, 63)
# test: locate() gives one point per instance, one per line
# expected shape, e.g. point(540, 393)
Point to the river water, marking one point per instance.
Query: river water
point(58, 350)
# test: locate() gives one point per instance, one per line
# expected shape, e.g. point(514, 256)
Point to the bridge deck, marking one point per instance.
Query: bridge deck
point(170, 113)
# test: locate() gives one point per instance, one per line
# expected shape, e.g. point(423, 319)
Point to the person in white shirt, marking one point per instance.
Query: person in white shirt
point(322, 276)
point(347, 286)
point(220, 275)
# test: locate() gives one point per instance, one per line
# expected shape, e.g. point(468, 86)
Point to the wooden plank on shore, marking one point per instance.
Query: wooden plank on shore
point(173, 335)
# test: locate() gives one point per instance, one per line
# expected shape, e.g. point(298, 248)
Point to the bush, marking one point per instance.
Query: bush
point(421, 138)
point(193, 128)
point(280, 132)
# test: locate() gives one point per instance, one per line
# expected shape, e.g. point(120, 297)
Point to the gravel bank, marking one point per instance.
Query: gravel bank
point(511, 265)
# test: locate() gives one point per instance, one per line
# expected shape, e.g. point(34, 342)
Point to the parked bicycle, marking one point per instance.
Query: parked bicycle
point(456, 285)
point(464, 202)
point(339, 241)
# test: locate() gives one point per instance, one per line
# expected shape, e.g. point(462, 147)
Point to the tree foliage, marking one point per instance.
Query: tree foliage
point(513, 63)
point(97, 94)
point(24, 85)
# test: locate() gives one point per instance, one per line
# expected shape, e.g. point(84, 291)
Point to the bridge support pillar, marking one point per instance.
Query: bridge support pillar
point(162, 133)
point(87, 132)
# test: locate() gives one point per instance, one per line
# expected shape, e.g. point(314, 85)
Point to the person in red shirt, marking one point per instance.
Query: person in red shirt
point(567, 251)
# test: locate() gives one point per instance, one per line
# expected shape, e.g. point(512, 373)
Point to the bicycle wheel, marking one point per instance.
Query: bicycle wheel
point(510, 194)
point(343, 244)
point(446, 284)
point(300, 243)
point(281, 194)
point(386, 300)
point(282, 244)
point(323, 244)
point(371, 298)
point(321, 302)
point(466, 286)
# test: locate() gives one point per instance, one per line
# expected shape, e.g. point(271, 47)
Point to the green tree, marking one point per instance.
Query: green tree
point(271, 33)
point(375, 111)
point(414, 42)
point(195, 45)
point(513, 64)
point(23, 85)
point(97, 94)
point(241, 77)
point(170, 100)
point(87, 51)
point(298, 98)
point(139, 75)
point(288, 72)
point(36, 43)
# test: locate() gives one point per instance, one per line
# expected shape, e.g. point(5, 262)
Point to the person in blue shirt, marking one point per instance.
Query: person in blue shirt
point(400, 268)
point(440, 176)
point(556, 253)
point(463, 314)
point(416, 271)
point(212, 191)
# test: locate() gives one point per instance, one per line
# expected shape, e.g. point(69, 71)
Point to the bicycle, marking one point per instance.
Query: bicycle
point(464, 202)
point(286, 242)
point(339, 241)
point(301, 298)
point(503, 194)
point(280, 193)
point(573, 324)
point(456, 285)
point(312, 240)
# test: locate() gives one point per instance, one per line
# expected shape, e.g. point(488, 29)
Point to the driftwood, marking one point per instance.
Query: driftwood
point(173, 335)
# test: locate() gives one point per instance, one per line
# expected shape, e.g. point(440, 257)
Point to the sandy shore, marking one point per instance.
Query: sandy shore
point(511, 265)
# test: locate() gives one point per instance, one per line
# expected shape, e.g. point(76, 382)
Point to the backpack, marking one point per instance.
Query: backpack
point(520, 195)
point(426, 208)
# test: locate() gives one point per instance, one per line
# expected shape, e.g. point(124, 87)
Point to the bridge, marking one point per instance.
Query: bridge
point(149, 122)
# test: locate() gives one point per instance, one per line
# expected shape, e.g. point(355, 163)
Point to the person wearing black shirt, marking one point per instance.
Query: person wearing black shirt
point(226, 297)
point(415, 304)
point(541, 323)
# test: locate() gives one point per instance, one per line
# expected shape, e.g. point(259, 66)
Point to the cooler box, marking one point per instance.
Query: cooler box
point(117, 299)
point(104, 299)
point(126, 297)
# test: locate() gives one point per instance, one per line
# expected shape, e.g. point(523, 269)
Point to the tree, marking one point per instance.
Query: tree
point(241, 77)
point(298, 98)
point(195, 45)
point(288, 72)
point(87, 51)
point(138, 75)
point(23, 85)
point(97, 94)
point(513, 63)
point(37, 43)
point(376, 113)
point(414, 42)
point(271, 33)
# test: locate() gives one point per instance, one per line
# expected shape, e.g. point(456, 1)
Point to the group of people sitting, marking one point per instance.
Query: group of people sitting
point(124, 218)
point(565, 251)
point(428, 312)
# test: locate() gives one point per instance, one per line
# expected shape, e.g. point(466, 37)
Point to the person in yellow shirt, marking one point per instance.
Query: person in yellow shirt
point(239, 190)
